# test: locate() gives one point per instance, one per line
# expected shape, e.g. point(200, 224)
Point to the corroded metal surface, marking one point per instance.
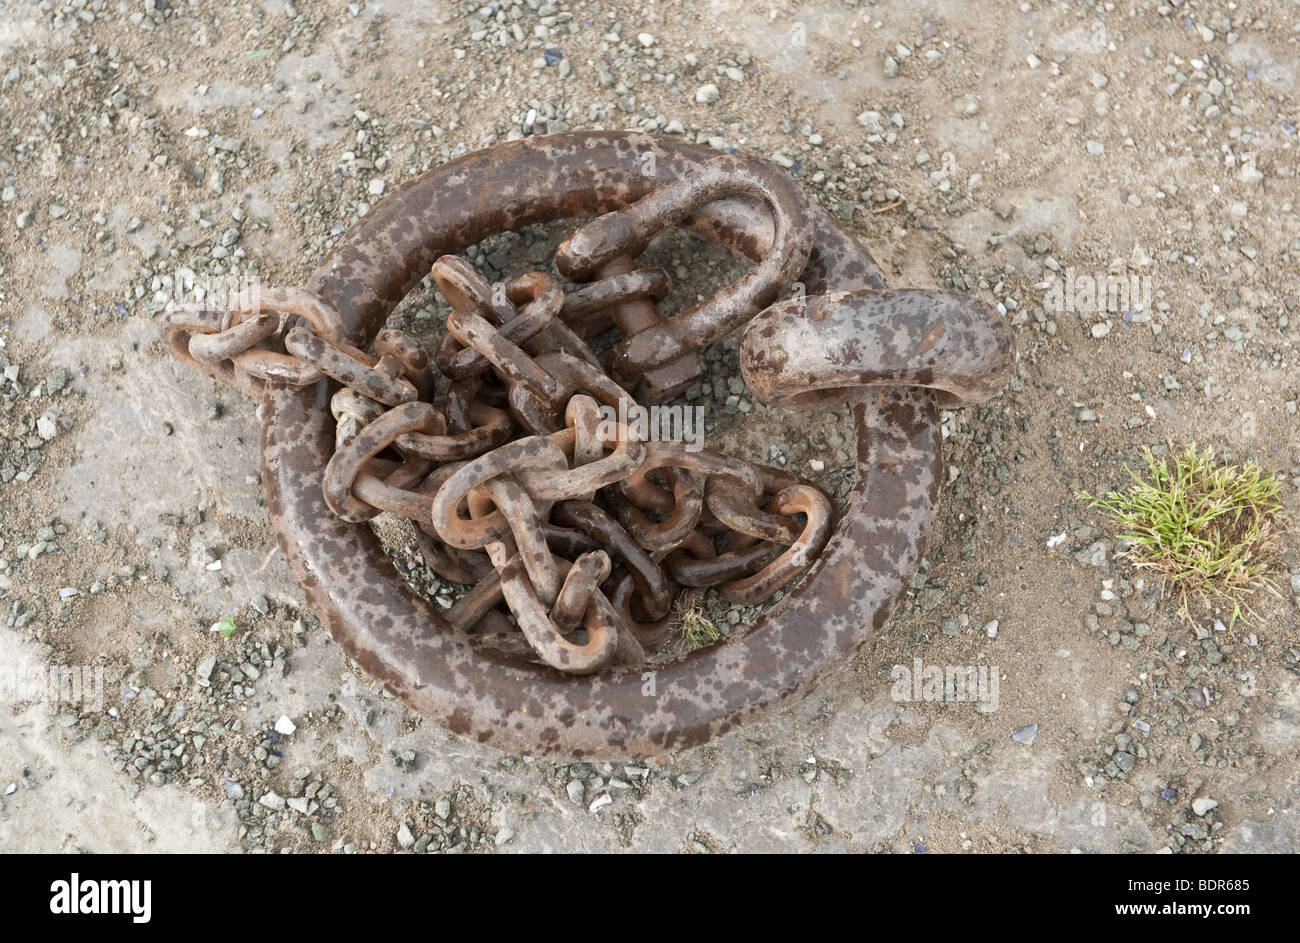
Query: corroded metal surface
point(476, 685)
point(795, 351)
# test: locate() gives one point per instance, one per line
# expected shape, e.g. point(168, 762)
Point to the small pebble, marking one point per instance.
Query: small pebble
point(706, 94)
point(1026, 735)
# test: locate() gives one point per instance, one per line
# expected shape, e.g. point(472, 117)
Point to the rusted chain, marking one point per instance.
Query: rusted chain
point(679, 509)
point(489, 505)
point(245, 356)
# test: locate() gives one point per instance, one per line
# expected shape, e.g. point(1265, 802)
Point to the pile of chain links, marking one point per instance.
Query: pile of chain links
point(497, 449)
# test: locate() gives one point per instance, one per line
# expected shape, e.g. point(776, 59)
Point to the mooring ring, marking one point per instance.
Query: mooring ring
point(401, 640)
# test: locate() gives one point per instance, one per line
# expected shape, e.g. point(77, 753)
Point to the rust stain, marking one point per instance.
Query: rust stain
point(931, 338)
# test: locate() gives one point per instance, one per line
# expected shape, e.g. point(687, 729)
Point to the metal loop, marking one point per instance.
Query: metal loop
point(351, 367)
point(545, 638)
point(820, 514)
point(394, 635)
point(349, 460)
point(626, 232)
point(524, 458)
point(493, 514)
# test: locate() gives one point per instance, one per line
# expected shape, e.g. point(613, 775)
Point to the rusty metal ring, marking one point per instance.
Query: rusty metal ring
point(407, 644)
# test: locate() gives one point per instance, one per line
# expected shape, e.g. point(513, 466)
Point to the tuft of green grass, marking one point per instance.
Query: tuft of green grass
point(1210, 531)
point(694, 627)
